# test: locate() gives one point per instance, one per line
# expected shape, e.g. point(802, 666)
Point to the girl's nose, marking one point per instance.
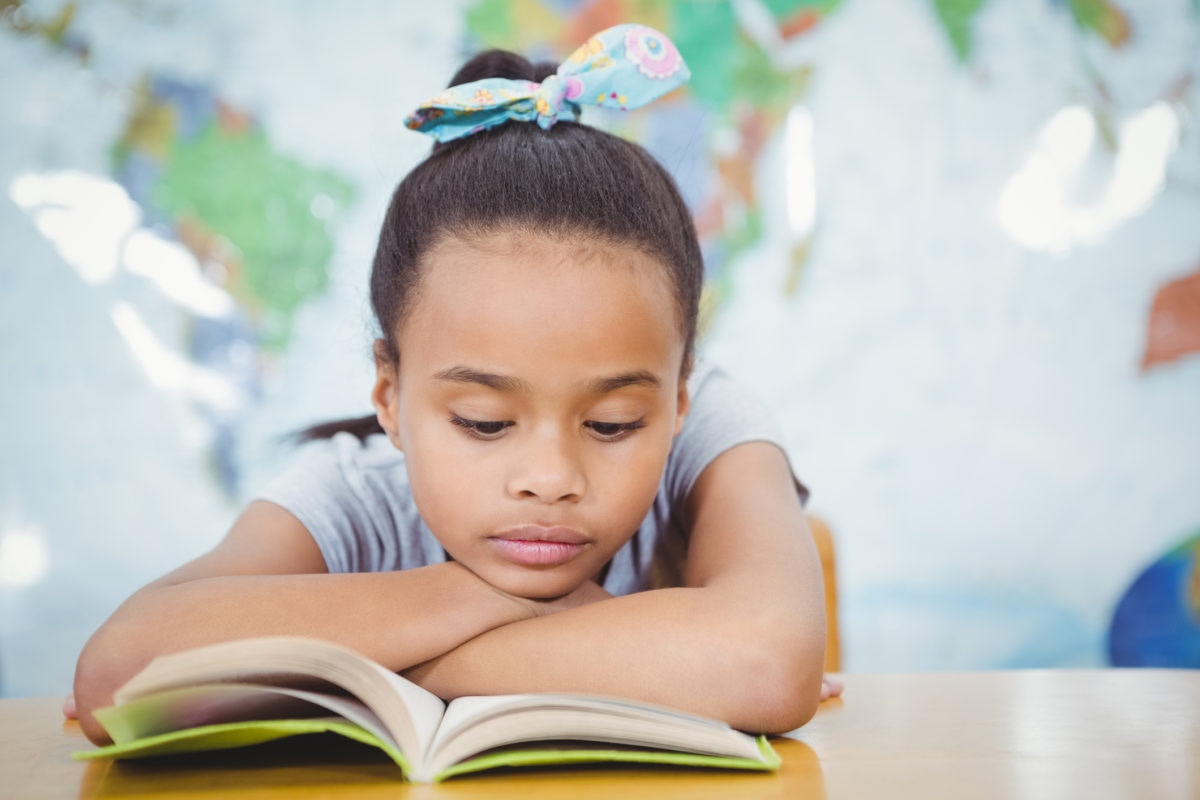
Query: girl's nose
point(547, 471)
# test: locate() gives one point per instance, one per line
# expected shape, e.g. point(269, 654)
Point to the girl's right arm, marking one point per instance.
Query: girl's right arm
point(268, 577)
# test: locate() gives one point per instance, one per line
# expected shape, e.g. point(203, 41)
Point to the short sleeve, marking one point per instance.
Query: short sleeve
point(353, 498)
point(723, 414)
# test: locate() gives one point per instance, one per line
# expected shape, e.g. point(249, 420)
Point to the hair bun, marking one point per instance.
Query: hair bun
point(499, 64)
point(543, 70)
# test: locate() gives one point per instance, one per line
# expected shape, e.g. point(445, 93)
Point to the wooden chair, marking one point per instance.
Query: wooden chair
point(824, 540)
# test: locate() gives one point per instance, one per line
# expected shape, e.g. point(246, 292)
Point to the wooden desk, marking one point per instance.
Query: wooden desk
point(1029, 735)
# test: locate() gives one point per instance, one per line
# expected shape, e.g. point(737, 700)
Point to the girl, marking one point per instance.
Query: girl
point(552, 495)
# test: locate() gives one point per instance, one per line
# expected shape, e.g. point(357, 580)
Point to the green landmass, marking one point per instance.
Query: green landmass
point(262, 203)
point(957, 18)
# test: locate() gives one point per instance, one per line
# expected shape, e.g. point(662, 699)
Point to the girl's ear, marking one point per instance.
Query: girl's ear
point(683, 401)
point(386, 394)
point(682, 404)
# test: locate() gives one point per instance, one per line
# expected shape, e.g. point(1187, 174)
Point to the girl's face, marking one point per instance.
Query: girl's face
point(538, 392)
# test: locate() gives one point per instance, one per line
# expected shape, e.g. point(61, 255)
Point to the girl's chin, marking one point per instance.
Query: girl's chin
point(541, 585)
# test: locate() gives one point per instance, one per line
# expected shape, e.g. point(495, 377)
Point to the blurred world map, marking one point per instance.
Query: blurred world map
point(196, 188)
point(203, 174)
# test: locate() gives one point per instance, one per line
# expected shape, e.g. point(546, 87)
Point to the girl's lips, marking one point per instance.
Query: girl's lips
point(534, 546)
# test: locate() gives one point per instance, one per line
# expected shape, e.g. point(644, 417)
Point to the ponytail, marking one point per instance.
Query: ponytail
point(359, 427)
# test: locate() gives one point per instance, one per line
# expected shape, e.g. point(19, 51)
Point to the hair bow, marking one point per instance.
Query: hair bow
point(624, 67)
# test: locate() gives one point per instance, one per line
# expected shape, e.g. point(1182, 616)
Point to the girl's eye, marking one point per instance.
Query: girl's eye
point(480, 429)
point(613, 431)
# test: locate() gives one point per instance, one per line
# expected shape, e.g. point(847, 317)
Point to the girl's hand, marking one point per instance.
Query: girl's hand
point(69, 707)
point(831, 686)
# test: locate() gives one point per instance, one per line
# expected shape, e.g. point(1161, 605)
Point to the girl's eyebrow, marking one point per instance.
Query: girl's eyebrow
point(501, 383)
point(506, 383)
point(639, 377)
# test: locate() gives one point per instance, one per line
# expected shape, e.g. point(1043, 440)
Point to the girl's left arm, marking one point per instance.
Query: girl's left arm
point(743, 641)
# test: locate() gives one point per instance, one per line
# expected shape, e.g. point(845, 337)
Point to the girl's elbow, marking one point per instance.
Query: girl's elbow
point(783, 696)
point(791, 709)
point(781, 677)
point(99, 672)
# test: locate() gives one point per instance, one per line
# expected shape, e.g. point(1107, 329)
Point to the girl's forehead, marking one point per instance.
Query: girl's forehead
point(461, 264)
point(524, 291)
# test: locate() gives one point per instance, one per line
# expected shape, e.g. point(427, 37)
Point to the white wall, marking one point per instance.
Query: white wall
point(967, 408)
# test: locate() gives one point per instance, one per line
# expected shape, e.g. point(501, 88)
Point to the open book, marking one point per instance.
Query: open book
point(255, 690)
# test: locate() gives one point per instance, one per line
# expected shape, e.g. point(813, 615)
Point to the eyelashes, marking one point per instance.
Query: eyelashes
point(489, 430)
point(612, 431)
point(480, 429)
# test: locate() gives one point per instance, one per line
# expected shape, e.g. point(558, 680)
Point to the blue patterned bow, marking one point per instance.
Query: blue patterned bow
point(622, 67)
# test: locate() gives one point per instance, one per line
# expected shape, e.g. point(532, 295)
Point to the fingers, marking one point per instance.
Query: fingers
point(68, 708)
point(831, 686)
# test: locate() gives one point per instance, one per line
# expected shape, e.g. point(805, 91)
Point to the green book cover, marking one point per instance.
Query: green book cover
point(250, 732)
point(253, 691)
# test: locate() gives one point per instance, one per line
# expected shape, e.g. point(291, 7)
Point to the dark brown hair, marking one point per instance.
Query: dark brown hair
point(570, 181)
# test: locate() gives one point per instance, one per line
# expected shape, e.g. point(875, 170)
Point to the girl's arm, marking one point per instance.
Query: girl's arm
point(268, 577)
point(743, 641)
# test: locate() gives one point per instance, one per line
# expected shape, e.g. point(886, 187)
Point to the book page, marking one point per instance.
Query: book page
point(425, 710)
point(470, 710)
point(210, 704)
point(473, 725)
point(409, 712)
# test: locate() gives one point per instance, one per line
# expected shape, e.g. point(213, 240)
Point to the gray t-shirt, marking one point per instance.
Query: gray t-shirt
point(354, 498)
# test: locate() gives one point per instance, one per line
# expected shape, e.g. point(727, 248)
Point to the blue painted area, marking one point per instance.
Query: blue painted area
point(564, 7)
point(138, 172)
point(228, 345)
point(194, 104)
point(1157, 622)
